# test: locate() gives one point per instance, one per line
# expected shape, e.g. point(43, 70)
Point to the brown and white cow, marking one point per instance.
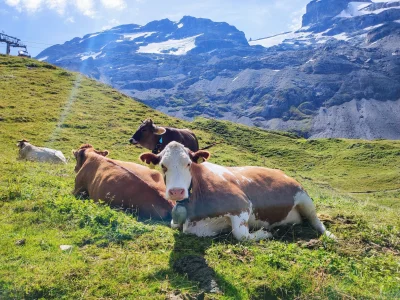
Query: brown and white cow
point(155, 138)
point(241, 199)
point(30, 152)
point(121, 184)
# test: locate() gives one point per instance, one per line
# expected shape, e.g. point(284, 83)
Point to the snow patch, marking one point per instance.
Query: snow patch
point(43, 58)
point(172, 47)
point(133, 36)
point(274, 40)
point(89, 37)
point(90, 54)
point(180, 25)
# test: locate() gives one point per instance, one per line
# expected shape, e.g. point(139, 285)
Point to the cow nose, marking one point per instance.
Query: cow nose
point(176, 194)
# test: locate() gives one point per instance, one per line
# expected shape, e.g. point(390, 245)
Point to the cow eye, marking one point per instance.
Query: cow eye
point(164, 168)
point(188, 165)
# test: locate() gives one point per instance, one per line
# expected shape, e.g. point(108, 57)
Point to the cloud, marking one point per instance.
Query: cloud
point(114, 4)
point(57, 5)
point(296, 19)
point(86, 7)
point(111, 23)
point(70, 20)
point(3, 12)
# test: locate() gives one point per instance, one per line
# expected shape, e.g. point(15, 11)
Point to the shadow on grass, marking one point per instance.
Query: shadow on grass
point(188, 260)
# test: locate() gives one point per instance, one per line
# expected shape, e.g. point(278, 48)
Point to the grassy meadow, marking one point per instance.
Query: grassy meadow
point(355, 185)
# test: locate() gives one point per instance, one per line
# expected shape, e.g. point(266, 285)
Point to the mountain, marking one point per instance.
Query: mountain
point(337, 76)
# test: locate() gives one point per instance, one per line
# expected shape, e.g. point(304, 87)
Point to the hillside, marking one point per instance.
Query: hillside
point(354, 183)
point(336, 76)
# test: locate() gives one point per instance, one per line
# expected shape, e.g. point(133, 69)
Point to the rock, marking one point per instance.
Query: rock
point(20, 242)
point(66, 247)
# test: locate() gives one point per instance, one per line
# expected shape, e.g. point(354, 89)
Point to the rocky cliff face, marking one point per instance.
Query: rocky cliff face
point(338, 76)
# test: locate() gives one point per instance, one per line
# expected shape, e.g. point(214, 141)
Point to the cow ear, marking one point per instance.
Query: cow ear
point(199, 156)
point(149, 158)
point(75, 153)
point(102, 153)
point(159, 130)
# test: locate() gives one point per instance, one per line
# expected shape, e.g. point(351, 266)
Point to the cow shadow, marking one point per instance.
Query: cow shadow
point(187, 259)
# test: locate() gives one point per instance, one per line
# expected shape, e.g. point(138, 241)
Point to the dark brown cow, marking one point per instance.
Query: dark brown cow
point(121, 184)
point(241, 199)
point(155, 138)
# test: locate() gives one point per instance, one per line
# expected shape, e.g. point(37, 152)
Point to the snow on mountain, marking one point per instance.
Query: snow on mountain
point(173, 47)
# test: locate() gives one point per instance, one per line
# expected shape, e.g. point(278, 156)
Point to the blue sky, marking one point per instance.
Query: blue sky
point(42, 23)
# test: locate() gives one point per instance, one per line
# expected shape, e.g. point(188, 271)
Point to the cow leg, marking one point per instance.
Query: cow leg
point(207, 227)
point(240, 229)
point(306, 208)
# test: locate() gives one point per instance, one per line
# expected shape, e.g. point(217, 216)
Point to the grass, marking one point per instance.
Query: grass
point(355, 185)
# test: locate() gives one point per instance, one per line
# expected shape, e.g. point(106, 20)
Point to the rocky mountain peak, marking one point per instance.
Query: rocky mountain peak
point(318, 11)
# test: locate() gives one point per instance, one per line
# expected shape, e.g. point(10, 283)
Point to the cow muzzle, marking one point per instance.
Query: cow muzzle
point(176, 194)
point(133, 141)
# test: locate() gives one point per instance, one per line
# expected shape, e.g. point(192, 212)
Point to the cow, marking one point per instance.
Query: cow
point(40, 154)
point(155, 138)
point(121, 184)
point(245, 200)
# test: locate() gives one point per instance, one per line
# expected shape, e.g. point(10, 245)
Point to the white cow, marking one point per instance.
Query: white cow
point(40, 154)
point(246, 200)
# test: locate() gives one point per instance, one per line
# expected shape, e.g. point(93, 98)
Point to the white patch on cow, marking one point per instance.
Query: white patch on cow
point(244, 178)
point(218, 170)
point(293, 217)
point(207, 227)
point(240, 228)
point(307, 209)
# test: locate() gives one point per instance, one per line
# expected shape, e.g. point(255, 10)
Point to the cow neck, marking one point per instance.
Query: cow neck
point(158, 147)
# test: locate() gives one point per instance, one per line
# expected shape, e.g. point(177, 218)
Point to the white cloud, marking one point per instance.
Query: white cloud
point(114, 4)
point(70, 20)
point(296, 19)
point(57, 5)
point(12, 2)
point(3, 12)
point(86, 7)
point(111, 23)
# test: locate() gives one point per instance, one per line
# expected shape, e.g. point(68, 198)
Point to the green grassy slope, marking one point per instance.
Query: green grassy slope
point(355, 185)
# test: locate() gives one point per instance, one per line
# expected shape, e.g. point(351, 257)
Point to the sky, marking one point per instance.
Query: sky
point(43, 23)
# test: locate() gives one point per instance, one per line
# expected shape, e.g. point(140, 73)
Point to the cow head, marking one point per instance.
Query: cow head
point(146, 134)
point(21, 144)
point(175, 161)
point(82, 152)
